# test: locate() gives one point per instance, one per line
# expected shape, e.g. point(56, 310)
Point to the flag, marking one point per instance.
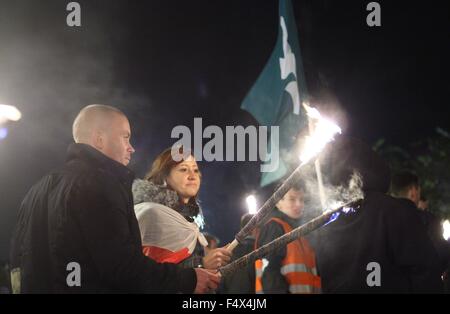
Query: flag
point(167, 237)
point(276, 97)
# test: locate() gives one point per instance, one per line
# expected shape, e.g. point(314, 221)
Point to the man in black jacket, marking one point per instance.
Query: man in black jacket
point(77, 231)
point(405, 185)
point(383, 247)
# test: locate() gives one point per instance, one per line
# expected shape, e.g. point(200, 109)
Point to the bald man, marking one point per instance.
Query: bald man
point(77, 231)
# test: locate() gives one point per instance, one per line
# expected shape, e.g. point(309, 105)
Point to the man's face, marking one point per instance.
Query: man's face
point(292, 204)
point(116, 140)
point(414, 194)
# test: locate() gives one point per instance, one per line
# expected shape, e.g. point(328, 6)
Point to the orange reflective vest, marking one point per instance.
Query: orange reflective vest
point(298, 266)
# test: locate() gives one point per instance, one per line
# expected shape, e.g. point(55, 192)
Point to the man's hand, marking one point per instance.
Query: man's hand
point(206, 280)
point(216, 258)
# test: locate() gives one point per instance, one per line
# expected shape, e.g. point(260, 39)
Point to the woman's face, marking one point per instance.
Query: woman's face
point(184, 178)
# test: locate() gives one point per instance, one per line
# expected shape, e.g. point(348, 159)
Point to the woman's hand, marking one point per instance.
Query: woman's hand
point(216, 258)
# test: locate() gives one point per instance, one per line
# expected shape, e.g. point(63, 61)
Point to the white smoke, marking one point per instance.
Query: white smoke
point(335, 196)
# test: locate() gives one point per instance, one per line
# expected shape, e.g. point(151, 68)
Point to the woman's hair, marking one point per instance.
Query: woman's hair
point(162, 166)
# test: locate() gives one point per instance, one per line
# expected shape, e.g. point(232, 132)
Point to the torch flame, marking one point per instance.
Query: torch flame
point(324, 132)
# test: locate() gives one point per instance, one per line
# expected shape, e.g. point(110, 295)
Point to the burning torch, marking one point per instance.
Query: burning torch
point(289, 237)
point(324, 132)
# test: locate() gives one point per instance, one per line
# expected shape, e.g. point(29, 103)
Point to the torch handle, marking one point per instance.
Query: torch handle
point(283, 240)
point(269, 204)
point(232, 245)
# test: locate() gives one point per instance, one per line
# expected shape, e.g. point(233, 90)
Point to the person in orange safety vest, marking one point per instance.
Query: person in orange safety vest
point(291, 269)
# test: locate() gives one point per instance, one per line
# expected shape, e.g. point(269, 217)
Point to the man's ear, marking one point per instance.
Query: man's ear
point(412, 193)
point(98, 140)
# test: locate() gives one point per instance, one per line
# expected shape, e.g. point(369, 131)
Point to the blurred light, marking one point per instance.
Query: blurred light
point(3, 133)
point(251, 204)
point(446, 227)
point(9, 113)
point(333, 217)
point(324, 132)
point(335, 204)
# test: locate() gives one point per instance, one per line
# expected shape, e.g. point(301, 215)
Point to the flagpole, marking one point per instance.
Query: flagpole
point(320, 183)
point(317, 167)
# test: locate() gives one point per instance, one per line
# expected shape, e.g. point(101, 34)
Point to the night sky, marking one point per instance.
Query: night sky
point(165, 62)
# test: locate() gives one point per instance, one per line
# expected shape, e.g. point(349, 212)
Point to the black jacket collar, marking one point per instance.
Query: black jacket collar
point(408, 202)
point(97, 159)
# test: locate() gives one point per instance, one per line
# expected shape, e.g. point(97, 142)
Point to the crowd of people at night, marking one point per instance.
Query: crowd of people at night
point(130, 235)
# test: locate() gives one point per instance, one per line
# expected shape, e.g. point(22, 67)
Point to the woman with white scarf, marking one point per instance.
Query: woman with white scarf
point(167, 210)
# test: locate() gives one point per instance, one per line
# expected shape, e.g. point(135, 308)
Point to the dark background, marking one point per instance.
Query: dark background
point(165, 62)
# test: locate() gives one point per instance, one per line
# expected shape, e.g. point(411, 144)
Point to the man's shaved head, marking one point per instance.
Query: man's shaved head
point(90, 119)
point(106, 129)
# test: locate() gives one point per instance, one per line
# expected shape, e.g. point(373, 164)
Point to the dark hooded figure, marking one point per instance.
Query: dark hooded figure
point(382, 247)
